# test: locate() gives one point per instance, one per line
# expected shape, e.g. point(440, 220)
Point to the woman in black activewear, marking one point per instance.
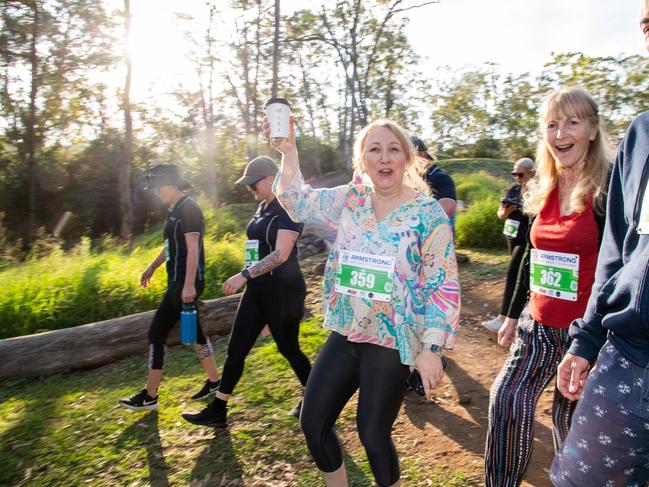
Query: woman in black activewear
point(185, 264)
point(274, 293)
point(515, 231)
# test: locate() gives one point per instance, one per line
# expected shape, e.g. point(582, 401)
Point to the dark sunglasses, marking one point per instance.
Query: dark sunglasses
point(518, 174)
point(252, 187)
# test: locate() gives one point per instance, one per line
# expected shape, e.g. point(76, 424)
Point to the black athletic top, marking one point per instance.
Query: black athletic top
point(183, 218)
point(513, 197)
point(263, 227)
point(440, 183)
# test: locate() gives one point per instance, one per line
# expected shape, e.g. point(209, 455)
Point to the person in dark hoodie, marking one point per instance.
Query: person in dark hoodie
point(608, 442)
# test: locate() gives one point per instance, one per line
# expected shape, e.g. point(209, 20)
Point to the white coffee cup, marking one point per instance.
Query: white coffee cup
point(278, 111)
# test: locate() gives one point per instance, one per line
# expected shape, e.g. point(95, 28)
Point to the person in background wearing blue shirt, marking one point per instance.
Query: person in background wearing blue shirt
point(608, 442)
point(439, 181)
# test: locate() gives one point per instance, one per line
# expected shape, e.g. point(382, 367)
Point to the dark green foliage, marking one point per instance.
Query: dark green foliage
point(478, 186)
point(478, 225)
point(495, 167)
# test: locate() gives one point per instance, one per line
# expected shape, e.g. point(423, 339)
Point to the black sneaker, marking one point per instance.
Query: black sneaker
point(209, 416)
point(208, 389)
point(295, 412)
point(140, 402)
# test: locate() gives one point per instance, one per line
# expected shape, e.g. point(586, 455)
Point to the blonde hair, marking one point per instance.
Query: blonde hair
point(415, 165)
point(569, 102)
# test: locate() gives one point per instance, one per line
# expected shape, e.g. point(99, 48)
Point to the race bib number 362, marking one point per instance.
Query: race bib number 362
point(365, 275)
point(554, 274)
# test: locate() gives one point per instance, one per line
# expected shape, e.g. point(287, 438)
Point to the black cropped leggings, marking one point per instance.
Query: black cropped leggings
point(165, 318)
point(341, 368)
point(280, 304)
point(517, 251)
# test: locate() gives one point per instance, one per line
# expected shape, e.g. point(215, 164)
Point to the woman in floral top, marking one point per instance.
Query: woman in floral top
point(390, 293)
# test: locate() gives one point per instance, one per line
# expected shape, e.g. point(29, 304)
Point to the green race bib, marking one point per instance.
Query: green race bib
point(511, 228)
point(167, 254)
point(252, 253)
point(554, 274)
point(365, 275)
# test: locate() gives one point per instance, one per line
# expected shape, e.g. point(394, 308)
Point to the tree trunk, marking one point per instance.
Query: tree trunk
point(101, 343)
point(211, 163)
point(30, 132)
point(275, 51)
point(124, 169)
point(306, 86)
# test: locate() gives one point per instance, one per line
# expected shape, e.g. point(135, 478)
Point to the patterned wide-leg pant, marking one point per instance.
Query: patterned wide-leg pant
point(530, 366)
point(608, 443)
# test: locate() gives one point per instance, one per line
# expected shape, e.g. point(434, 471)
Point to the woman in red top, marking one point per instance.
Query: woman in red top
point(566, 201)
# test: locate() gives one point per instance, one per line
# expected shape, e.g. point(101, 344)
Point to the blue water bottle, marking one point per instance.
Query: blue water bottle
point(188, 324)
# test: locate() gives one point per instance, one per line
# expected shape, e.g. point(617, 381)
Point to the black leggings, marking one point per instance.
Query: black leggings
point(166, 316)
point(517, 250)
point(280, 304)
point(340, 369)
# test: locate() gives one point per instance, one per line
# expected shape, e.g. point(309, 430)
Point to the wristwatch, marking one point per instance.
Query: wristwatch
point(246, 274)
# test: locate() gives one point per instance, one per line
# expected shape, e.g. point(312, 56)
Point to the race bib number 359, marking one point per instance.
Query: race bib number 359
point(365, 275)
point(554, 274)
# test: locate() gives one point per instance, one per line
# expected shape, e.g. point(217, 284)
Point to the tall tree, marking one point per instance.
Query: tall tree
point(248, 75)
point(276, 50)
point(368, 41)
point(201, 34)
point(124, 170)
point(47, 50)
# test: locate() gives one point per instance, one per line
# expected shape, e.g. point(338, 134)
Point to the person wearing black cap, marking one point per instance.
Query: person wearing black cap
point(274, 293)
point(439, 181)
point(185, 263)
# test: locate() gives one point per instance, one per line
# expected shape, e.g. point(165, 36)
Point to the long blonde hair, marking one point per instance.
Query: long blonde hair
point(569, 102)
point(415, 165)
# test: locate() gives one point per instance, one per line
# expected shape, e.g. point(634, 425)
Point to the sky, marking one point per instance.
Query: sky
point(519, 35)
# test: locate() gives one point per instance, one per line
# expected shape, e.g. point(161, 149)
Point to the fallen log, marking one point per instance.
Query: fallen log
point(96, 344)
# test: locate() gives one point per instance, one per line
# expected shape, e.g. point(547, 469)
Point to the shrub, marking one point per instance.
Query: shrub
point(478, 225)
point(231, 219)
point(62, 290)
point(478, 186)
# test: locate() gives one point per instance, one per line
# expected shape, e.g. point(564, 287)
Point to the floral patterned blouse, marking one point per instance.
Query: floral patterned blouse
point(425, 299)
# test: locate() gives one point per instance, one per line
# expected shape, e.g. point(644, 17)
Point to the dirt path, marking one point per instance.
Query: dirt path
point(449, 432)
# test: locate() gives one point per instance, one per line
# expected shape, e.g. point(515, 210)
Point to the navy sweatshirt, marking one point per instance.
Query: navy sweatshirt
point(619, 303)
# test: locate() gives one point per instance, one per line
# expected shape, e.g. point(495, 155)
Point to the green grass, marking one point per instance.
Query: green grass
point(63, 290)
point(488, 263)
point(87, 284)
point(68, 429)
point(495, 167)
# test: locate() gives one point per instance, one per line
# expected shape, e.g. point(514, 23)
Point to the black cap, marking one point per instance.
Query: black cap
point(166, 175)
point(418, 143)
point(257, 169)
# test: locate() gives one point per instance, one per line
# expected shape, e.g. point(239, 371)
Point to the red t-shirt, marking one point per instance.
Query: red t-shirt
point(576, 233)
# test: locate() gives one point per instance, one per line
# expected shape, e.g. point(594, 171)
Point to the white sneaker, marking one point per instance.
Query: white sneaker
point(493, 324)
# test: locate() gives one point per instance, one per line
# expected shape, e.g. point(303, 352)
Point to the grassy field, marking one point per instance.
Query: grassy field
point(91, 284)
point(68, 429)
point(64, 290)
point(495, 167)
